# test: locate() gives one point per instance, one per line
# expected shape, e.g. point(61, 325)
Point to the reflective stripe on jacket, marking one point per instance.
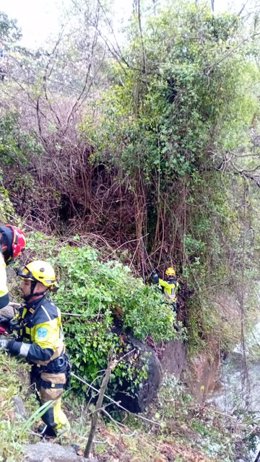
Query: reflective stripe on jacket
point(40, 333)
point(170, 289)
point(4, 296)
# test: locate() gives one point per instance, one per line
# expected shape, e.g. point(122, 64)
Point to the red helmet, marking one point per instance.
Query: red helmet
point(18, 242)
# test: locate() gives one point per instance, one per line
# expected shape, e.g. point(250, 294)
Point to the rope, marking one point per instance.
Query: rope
point(113, 401)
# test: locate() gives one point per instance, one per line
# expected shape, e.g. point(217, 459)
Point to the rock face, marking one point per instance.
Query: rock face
point(50, 452)
point(19, 407)
point(174, 358)
point(172, 361)
point(146, 392)
point(203, 373)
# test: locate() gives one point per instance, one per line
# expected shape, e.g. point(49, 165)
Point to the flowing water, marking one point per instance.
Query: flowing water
point(240, 383)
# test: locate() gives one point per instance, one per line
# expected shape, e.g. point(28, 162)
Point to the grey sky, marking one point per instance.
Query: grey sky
point(39, 19)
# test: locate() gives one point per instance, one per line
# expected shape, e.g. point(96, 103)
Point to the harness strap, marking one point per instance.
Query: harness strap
point(58, 352)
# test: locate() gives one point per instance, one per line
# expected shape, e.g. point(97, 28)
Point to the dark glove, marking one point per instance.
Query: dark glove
point(13, 347)
point(10, 345)
point(154, 277)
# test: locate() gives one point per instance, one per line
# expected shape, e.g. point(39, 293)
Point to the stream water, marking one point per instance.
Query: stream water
point(240, 383)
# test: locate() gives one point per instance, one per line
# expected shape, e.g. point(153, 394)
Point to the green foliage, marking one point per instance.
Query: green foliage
point(15, 143)
point(210, 431)
point(103, 288)
point(13, 384)
point(102, 294)
point(40, 246)
point(6, 207)
point(9, 31)
point(183, 104)
point(188, 100)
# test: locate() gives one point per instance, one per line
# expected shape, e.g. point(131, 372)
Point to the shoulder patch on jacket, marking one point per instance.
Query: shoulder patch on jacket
point(41, 332)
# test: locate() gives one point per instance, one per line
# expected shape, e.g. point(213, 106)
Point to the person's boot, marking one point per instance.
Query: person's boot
point(46, 432)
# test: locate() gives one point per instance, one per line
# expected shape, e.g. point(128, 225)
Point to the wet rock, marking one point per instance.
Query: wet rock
point(19, 407)
point(174, 358)
point(203, 374)
point(51, 452)
point(140, 398)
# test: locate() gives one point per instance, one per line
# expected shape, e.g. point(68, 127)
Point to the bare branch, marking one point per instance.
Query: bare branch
point(47, 75)
point(94, 420)
point(115, 402)
point(83, 90)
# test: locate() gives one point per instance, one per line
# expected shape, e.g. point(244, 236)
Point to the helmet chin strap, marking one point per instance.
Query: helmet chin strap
point(27, 298)
point(6, 243)
point(32, 294)
point(6, 254)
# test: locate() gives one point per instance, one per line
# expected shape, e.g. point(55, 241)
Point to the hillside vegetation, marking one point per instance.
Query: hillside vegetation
point(153, 149)
point(181, 432)
point(117, 159)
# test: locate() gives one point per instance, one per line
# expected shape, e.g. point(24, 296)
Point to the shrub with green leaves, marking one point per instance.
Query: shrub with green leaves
point(101, 301)
point(174, 121)
point(100, 295)
point(16, 145)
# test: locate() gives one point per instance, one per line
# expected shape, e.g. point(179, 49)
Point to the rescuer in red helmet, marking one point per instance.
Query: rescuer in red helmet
point(12, 243)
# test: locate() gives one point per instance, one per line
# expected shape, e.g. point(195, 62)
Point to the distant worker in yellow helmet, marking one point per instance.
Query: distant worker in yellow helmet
point(40, 342)
point(169, 285)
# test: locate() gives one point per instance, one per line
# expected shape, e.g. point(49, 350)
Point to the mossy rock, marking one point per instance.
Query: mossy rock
point(137, 399)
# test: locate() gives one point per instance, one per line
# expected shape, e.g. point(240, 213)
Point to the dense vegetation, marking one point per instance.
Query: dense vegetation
point(122, 159)
point(154, 149)
point(102, 302)
point(183, 431)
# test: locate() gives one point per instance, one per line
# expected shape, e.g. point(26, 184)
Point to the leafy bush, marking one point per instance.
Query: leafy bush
point(13, 385)
point(103, 300)
point(6, 207)
point(176, 119)
point(16, 145)
point(104, 295)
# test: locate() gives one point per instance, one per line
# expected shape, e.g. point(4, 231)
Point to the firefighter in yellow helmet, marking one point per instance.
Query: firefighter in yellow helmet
point(169, 285)
point(40, 342)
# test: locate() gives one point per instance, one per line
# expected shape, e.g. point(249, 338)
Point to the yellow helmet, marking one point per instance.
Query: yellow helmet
point(170, 271)
point(40, 271)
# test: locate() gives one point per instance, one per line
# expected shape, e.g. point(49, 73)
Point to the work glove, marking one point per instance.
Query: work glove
point(9, 345)
point(154, 277)
point(4, 343)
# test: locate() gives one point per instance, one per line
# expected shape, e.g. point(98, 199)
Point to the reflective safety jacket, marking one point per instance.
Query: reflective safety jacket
point(170, 289)
point(40, 332)
point(4, 296)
